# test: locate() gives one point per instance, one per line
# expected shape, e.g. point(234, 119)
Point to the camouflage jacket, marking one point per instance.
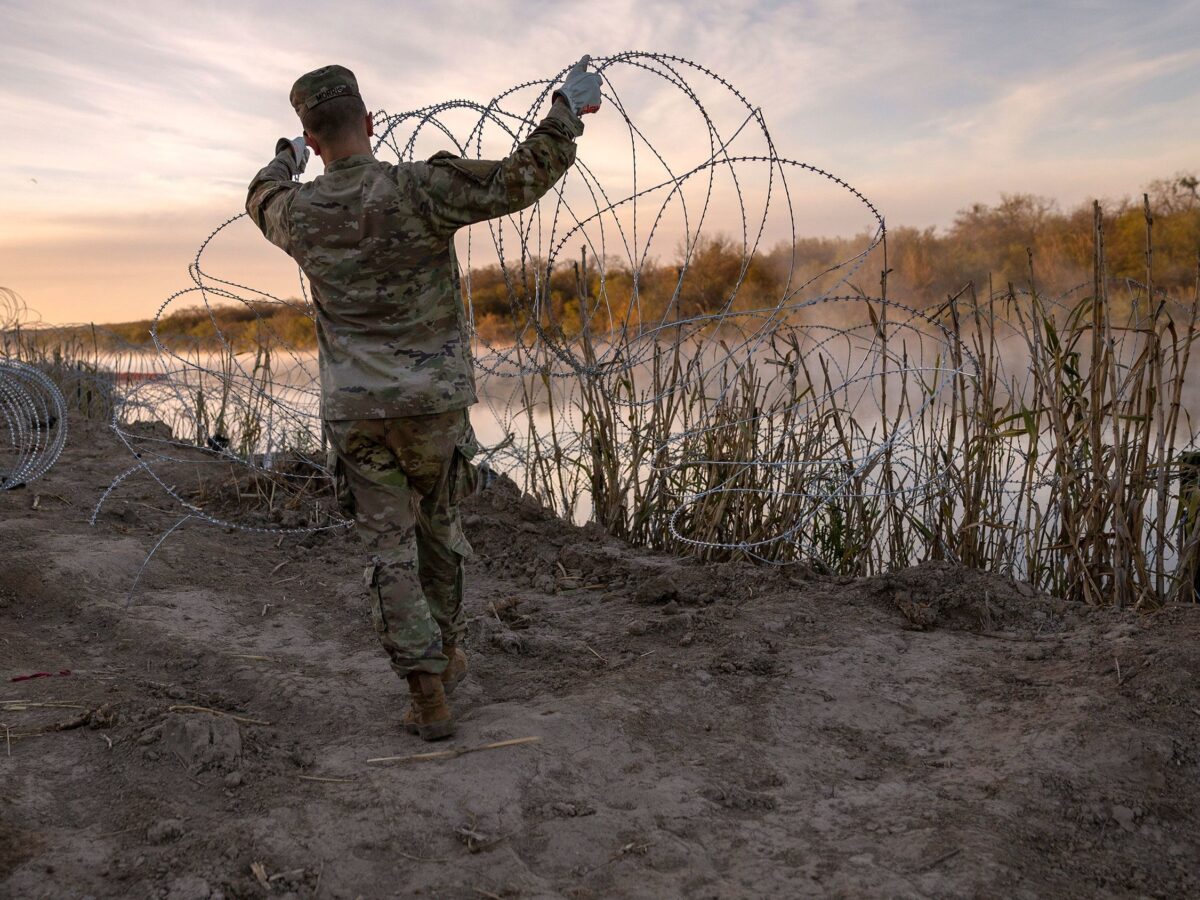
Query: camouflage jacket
point(376, 241)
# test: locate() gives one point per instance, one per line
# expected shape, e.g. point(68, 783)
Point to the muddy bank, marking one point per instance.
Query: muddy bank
point(703, 731)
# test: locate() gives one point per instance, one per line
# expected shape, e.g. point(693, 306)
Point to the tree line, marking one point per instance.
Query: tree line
point(1024, 240)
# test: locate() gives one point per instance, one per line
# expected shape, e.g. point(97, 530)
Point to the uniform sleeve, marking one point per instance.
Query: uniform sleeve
point(460, 192)
point(269, 197)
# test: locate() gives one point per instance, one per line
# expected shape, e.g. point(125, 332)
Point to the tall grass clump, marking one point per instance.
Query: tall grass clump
point(1042, 433)
point(76, 364)
point(197, 386)
point(1043, 437)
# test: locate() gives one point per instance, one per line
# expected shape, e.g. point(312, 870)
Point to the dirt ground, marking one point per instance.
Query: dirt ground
point(713, 731)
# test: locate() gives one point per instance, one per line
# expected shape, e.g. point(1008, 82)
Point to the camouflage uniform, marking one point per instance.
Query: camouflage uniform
point(403, 479)
point(376, 241)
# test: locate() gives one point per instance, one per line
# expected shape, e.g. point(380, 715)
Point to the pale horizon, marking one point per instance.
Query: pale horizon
point(134, 127)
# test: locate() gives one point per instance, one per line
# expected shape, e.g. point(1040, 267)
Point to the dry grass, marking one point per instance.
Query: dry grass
point(1048, 446)
point(1006, 430)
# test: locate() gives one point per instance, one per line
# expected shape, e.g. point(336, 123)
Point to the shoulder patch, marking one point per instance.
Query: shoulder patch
point(478, 170)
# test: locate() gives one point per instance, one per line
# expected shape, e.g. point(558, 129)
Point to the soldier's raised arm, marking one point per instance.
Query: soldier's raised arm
point(268, 195)
point(461, 192)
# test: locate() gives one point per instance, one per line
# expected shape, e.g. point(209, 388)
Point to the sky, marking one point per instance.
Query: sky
point(131, 129)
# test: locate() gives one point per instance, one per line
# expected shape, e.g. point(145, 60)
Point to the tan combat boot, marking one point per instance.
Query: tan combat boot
point(454, 672)
point(428, 715)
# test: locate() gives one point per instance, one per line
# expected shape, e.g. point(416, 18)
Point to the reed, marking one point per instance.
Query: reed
point(1045, 441)
point(1045, 437)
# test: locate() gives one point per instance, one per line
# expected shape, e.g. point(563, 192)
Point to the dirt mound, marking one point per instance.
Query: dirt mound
point(516, 536)
point(944, 595)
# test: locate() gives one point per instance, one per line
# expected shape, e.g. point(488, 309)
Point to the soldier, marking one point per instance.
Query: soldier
point(376, 241)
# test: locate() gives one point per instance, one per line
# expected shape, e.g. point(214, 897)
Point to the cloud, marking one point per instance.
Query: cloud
point(133, 126)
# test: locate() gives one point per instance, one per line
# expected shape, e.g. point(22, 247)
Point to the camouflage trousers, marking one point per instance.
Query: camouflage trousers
point(402, 479)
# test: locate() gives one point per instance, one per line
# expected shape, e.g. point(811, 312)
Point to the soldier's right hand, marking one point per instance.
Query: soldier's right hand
point(299, 147)
point(581, 88)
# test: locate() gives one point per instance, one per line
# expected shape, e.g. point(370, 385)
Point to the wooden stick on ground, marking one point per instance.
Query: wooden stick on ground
point(451, 754)
point(217, 712)
point(76, 722)
point(422, 858)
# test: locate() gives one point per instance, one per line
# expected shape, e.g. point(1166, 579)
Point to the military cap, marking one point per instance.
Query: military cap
point(319, 85)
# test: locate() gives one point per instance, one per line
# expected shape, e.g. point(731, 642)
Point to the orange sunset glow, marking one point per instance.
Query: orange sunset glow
point(132, 128)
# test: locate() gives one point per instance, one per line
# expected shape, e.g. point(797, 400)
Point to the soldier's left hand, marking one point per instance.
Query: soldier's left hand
point(300, 151)
point(581, 88)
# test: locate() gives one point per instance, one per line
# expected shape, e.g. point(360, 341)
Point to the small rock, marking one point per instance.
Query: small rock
point(1124, 817)
point(290, 518)
point(687, 639)
point(571, 810)
point(203, 741)
point(636, 629)
point(150, 735)
point(509, 642)
point(658, 589)
point(1120, 632)
point(233, 780)
point(165, 830)
point(104, 716)
point(531, 510)
point(671, 608)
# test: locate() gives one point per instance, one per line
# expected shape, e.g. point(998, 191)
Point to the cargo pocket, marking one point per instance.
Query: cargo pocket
point(371, 577)
point(341, 489)
point(464, 476)
point(479, 171)
point(458, 542)
point(463, 551)
point(342, 497)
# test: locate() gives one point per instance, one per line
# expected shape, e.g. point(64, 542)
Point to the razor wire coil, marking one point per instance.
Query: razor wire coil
point(34, 413)
point(621, 216)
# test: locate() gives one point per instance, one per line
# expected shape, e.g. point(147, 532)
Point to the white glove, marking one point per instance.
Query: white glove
point(581, 88)
point(300, 151)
